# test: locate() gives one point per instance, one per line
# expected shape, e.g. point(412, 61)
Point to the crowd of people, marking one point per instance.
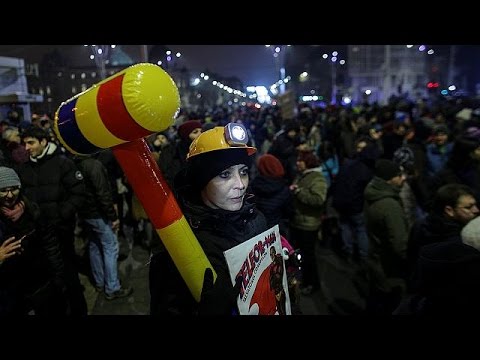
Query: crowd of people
point(401, 180)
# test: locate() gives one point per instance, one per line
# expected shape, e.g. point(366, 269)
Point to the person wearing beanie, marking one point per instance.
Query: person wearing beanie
point(31, 266)
point(212, 193)
point(8, 178)
point(189, 127)
point(309, 191)
point(387, 169)
point(387, 231)
point(272, 195)
point(269, 166)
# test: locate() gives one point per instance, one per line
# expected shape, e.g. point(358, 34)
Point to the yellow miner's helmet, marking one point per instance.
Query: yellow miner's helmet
point(232, 136)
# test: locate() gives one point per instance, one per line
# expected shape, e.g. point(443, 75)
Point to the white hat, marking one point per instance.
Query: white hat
point(471, 233)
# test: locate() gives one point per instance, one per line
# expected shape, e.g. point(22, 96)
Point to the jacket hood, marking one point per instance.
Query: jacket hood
point(378, 189)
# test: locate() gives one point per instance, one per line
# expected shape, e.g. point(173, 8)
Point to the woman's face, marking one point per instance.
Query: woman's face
point(227, 190)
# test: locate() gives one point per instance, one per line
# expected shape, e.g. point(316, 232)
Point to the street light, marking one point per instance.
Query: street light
point(100, 54)
point(278, 52)
point(334, 60)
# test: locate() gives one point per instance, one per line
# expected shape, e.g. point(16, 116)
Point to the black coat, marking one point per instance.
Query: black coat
point(40, 263)
point(274, 199)
point(55, 184)
point(349, 185)
point(98, 192)
point(216, 230)
point(431, 230)
point(449, 279)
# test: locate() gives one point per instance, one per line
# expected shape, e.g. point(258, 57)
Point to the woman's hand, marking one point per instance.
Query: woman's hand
point(9, 248)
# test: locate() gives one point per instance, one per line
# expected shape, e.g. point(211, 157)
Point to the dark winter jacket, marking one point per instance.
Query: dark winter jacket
point(217, 230)
point(387, 229)
point(40, 262)
point(98, 193)
point(55, 184)
point(449, 278)
point(433, 229)
point(349, 185)
point(274, 199)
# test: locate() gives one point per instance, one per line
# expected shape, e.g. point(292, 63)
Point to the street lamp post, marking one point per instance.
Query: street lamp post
point(278, 52)
point(334, 84)
point(100, 54)
point(333, 73)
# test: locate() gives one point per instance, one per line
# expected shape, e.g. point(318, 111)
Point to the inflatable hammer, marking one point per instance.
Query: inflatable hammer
point(118, 113)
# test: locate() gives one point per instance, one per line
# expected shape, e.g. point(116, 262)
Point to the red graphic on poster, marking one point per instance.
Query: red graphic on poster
point(258, 261)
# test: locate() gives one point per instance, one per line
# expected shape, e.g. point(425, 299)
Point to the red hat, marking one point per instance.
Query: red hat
point(269, 166)
point(187, 127)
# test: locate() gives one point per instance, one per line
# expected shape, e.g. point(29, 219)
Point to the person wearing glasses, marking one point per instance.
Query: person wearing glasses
point(31, 266)
point(448, 275)
point(212, 193)
point(454, 206)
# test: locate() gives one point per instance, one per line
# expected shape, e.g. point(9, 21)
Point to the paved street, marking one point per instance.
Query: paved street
point(338, 294)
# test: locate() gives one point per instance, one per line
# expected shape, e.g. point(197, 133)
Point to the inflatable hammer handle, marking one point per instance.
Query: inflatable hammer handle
point(159, 203)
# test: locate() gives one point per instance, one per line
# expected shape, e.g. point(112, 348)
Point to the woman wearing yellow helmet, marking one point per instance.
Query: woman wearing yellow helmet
point(212, 192)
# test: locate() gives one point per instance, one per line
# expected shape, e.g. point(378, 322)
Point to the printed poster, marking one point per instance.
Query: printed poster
point(259, 262)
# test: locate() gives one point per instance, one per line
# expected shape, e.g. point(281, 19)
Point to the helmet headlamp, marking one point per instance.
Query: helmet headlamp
point(236, 134)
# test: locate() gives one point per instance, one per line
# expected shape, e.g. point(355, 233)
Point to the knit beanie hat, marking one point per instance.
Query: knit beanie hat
point(269, 166)
point(187, 127)
point(8, 177)
point(387, 169)
point(204, 167)
point(471, 233)
point(404, 156)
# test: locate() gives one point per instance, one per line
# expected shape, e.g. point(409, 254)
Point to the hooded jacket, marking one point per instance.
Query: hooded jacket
point(386, 226)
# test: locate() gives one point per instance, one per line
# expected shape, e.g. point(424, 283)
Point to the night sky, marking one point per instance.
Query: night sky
point(253, 64)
